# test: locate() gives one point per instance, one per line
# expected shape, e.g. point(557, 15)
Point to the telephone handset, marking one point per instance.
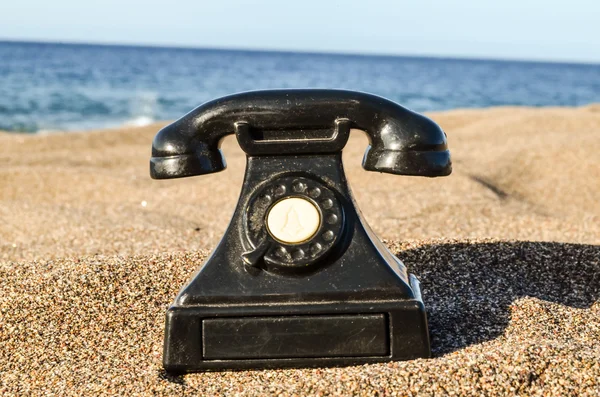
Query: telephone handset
point(299, 278)
point(301, 122)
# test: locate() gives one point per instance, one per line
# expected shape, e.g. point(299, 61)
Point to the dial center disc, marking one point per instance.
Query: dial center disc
point(293, 220)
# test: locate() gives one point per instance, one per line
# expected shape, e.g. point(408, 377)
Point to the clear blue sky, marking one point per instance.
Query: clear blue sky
point(521, 29)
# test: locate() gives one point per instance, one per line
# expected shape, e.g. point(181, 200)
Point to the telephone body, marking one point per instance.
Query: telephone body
point(299, 278)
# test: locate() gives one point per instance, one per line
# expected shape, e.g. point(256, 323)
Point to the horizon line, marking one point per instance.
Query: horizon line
point(300, 51)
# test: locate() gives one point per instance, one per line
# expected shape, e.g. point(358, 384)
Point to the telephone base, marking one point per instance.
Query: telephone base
point(298, 334)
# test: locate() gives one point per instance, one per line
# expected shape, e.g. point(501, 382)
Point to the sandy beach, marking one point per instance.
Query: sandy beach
point(507, 248)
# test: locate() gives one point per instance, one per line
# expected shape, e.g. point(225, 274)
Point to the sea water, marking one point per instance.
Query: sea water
point(57, 87)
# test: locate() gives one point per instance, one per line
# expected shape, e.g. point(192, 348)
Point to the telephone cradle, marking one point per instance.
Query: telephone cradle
point(299, 279)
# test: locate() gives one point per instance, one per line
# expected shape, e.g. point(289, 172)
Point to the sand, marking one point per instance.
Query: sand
point(92, 251)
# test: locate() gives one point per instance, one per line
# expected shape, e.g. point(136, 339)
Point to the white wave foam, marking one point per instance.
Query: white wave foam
point(45, 131)
point(143, 108)
point(139, 121)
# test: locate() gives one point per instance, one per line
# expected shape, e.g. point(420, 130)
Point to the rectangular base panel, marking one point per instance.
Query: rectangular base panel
point(294, 335)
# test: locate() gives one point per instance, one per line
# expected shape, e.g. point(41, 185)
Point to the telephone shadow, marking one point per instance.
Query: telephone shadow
point(468, 288)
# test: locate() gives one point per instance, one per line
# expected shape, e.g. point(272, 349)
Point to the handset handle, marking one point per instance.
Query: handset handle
point(276, 122)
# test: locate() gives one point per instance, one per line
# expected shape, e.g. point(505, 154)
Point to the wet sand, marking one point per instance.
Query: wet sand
point(92, 251)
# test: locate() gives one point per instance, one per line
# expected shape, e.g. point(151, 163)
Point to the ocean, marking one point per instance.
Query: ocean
point(72, 87)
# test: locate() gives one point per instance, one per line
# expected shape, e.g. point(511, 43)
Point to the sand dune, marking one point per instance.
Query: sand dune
point(92, 251)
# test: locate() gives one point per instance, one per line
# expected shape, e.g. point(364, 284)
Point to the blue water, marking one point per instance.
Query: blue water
point(45, 87)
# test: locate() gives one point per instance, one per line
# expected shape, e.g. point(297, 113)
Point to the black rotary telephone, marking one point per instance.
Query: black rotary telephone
point(299, 278)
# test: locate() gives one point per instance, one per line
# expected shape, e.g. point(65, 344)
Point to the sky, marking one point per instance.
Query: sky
point(555, 30)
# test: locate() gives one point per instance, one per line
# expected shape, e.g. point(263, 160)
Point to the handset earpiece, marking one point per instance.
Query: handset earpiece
point(301, 122)
point(403, 142)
